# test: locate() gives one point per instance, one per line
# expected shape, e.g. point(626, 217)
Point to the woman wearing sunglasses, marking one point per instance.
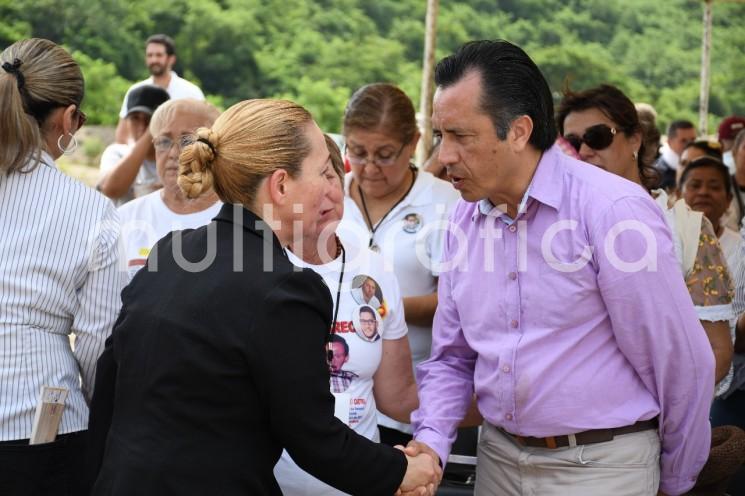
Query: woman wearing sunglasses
point(383, 190)
point(59, 271)
point(602, 125)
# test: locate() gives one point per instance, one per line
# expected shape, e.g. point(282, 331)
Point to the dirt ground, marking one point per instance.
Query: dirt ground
point(84, 163)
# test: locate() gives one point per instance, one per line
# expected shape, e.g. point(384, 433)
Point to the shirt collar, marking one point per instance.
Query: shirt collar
point(174, 76)
point(47, 159)
point(669, 156)
point(545, 186)
point(250, 221)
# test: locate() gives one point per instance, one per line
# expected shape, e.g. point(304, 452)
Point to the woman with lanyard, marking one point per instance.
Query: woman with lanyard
point(396, 210)
point(59, 274)
point(369, 355)
point(217, 361)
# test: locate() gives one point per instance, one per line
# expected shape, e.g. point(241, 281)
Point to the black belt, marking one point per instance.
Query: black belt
point(593, 436)
point(61, 437)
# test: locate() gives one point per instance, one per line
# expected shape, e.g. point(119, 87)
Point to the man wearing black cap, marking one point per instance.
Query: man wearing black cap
point(128, 171)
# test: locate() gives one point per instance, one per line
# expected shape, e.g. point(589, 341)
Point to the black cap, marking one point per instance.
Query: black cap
point(146, 99)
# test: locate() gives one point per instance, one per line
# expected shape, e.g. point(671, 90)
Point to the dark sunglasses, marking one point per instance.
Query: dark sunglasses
point(597, 137)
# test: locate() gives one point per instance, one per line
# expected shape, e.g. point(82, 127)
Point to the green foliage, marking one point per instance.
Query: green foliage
point(93, 147)
point(104, 89)
point(318, 52)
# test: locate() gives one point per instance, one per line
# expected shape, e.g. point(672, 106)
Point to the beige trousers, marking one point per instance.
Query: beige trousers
point(627, 465)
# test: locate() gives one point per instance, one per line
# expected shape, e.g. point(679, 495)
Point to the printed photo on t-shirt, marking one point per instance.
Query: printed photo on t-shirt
point(339, 356)
point(367, 323)
point(412, 223)
point(366, 291)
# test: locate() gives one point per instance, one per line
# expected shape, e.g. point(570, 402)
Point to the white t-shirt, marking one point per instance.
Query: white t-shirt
point(147, 219)
point(356, 404)
point(146, 181)
point(410, 240)
point(178, 87)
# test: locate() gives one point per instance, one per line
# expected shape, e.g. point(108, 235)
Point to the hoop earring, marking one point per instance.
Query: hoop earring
point(71, 146)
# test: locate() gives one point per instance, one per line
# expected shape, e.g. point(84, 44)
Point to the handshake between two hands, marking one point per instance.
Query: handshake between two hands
point(423, 473)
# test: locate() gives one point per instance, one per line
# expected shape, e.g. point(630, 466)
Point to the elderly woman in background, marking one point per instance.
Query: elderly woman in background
point(603, 126)
point(217, 361)
point(59, 271)
point(706, 187)
point(383, 189)
point(147, 219)
point(692, 151)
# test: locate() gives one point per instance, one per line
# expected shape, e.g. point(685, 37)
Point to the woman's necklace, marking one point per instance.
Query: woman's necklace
point(370, 226)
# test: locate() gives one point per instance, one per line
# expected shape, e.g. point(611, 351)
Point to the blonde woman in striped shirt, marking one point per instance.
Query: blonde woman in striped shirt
point(59, 269)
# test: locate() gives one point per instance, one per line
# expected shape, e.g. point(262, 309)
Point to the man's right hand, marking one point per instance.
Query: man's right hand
point(416, 447)
point(422, 476)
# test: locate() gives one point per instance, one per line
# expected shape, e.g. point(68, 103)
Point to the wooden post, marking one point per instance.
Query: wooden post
point(428, 69)
point(703, 101)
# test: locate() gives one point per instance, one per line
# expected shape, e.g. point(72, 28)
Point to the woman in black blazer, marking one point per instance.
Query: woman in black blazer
point(217, 360)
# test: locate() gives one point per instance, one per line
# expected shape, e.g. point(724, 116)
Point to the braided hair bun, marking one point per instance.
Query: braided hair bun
point(195, 164)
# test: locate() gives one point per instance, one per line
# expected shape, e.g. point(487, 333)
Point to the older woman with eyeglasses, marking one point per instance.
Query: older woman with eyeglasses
point(395, 209)
point(602, 125)
point(147, 219)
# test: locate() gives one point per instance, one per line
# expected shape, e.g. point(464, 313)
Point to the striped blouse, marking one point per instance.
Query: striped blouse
point(60, 274)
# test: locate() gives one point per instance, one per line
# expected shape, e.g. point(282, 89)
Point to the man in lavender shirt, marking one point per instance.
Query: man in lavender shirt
point(561, 305)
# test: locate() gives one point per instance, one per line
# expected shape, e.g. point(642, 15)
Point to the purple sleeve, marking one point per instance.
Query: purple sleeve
point(446, 379)
point(658, 331)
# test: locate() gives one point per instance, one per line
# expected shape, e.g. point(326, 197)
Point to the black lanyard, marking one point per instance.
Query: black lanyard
point(370, 226)
point(329, 349)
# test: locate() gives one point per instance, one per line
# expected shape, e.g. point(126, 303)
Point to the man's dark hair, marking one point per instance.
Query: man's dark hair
point(164, 40)
point(335, 338)
point(368, 310)
point(511, 86)
point(674, 126)
point(707, 161)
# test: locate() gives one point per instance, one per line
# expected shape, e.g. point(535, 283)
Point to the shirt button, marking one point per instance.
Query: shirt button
point(513, 324)
point(512, 276)
point(506, 369)
point(508, 416)
point(512, 228)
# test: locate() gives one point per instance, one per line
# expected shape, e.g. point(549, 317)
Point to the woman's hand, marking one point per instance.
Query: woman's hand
point(422, 477)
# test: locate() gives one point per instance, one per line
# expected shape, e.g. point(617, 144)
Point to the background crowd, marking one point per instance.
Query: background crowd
point(216, 357)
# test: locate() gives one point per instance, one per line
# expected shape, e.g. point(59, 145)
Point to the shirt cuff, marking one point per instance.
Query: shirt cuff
point(435, 441)
point(715, 313)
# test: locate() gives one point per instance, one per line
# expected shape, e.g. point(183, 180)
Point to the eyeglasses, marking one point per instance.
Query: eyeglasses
point(597, 137)
point(164, 143)
point(82, 118)
point(359, 160)
point(367, 321)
